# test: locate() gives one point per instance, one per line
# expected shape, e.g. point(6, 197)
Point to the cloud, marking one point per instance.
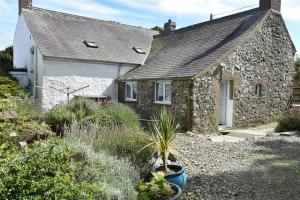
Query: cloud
point(88, 8)
point(188, 7)
point(3, 5)
point(290, 8)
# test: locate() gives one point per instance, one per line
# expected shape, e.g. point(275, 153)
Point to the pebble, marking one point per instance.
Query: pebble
point(238, 170)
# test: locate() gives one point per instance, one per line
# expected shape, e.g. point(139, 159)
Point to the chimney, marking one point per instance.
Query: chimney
point(24, 4)
point(270, 4)
point(169, 26)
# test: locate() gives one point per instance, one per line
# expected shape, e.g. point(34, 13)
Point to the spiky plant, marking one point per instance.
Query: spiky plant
point(164, 129)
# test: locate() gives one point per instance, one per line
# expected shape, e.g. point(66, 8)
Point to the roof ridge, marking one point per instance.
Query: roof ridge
point(206, 22)
point(90, 18)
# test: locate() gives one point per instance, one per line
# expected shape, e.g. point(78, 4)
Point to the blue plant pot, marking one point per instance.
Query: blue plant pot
point(178, 177)
point(178, 191)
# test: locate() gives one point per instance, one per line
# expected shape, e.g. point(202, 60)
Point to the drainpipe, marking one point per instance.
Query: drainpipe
point(117, 82)
point(36, 73)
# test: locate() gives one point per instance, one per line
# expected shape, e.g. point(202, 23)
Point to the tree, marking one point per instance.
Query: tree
point(297, 75)
point(6, 60)
point(157, 28)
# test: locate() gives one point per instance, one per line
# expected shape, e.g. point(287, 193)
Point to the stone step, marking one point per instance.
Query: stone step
point(248, 133)
point(225, 138)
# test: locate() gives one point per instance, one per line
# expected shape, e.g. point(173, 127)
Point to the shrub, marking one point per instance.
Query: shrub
point(10, 87)
point(118, 141)
point(289, 122)
point(116, 177)
point(84, 111)
point(43, 171)
point(28, 119)
point(297, 70)
point(120, 114)
point(6, 61)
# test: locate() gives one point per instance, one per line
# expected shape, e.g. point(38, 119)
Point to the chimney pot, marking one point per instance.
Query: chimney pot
point(270, 4)
point(24, 4)
point(169, 26)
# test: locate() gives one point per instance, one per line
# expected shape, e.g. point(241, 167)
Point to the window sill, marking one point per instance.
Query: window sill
point(163, 103)
point(131, 100)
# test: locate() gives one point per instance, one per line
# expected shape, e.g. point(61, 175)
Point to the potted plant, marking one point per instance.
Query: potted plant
point(164, 130)
point(158, 189)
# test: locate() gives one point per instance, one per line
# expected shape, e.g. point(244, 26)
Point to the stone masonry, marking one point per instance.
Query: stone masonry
point(146, 107)
point(265, 57)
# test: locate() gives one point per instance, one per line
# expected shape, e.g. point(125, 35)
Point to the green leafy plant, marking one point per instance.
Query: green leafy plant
point(6, 61)
point(120, 114)
point(122, 142)
point(43, 171)
point(115, 176)
point(156, 189)
point(10, 88)
point(85, 111)
point(289, 122)
point(164, 130)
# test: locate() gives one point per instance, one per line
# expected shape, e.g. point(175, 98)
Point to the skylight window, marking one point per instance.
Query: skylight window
point(90, 44)
point(139, 50)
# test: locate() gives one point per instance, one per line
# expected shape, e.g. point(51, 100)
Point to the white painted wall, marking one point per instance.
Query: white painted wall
point(21, 77)
point(23, 58)
point(61, 74)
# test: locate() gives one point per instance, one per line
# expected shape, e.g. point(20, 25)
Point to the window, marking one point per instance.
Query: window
point(163, 91)
point(138, 50)
point(130, 91)
point(258, 90)
point(90, 44)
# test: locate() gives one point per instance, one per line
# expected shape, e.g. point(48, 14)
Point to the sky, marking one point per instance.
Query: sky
point(145, 13)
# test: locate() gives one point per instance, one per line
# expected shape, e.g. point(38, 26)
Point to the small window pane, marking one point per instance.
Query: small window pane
point(134, 88)
point(168, 89)
point(258, 90)
point(159, 92)
point(128, 91)
point(231, 90)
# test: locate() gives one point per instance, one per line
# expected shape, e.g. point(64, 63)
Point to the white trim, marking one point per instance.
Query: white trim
point(164, 93)
point(131, 83)
point(225, 114)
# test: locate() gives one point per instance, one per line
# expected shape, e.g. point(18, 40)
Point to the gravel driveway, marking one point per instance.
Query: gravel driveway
point(258, 168)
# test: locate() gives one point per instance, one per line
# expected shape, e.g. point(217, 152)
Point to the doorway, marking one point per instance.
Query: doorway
point(226, 104)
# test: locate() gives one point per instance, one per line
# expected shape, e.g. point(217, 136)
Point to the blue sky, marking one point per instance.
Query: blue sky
point(146, 13)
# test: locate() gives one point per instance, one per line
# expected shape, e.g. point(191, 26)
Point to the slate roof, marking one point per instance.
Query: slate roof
point(61, 35)
point(187, 51)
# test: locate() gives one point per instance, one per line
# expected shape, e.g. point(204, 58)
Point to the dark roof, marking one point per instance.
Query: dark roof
point(62, 35)
point(187, 51)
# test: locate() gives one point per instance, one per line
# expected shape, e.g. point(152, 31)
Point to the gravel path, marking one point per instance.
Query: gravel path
point(258, 168)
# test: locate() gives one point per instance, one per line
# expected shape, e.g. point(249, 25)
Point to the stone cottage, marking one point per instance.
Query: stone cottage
point(233, 71)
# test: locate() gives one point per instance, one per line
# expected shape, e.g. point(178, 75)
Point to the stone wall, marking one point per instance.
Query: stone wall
point(265, 57)
point(145, 105)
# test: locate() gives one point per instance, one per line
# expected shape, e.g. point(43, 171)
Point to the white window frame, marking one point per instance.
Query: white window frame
point(164, 92)
point(131, 83)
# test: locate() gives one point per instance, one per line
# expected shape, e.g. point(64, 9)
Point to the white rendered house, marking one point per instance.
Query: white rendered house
point(60, 50)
